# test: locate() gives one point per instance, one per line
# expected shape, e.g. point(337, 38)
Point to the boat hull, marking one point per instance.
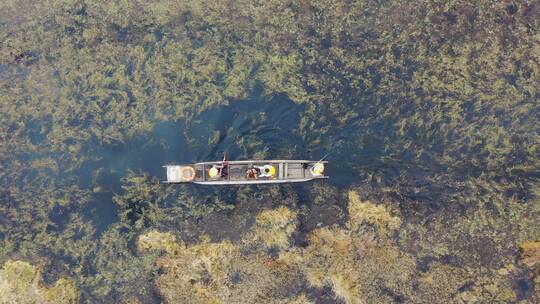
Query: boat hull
point(235, 172)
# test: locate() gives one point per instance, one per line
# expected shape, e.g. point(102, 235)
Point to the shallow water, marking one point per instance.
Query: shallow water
point(241, 129)
point(432, 120)
point(256, 128)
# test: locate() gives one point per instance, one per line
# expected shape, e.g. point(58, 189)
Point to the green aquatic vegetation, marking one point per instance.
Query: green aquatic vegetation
point(38, 217)
point(495, 288)
point(486, 235)
point(427, 89)
point(466, 285)
point(214, 138)
point(139, 204)
point(114, 273)
point(20, 282)
point(323, 193)
point(279, 74)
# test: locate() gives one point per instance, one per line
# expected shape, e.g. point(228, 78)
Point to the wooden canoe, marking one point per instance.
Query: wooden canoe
point(235, 173)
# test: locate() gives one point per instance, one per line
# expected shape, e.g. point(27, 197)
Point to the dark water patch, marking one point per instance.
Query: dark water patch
point(451, 260)
point(466, 287)
point(394, 295)
point(59, 215)
point(512, 8)
point(101, 211)
point(226, 212)
point(271, 122)
point(523, 286)
point(323, 295)
point(247, 127)
point(36, 132)
point(423, 264)
point(320, 205)
point(53, 271)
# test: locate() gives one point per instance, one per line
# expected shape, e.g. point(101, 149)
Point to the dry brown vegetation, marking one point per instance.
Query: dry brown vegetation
point(20, 283)
point(275, 227)
point(530, 253)
point(361, 263)
point(220, 272)
point(530, 257)
point(350, 260)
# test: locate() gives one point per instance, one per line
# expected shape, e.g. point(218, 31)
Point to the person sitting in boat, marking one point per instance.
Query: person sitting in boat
point(220, 170)
point(267, 171)
point(224, 168)
point(252, 172)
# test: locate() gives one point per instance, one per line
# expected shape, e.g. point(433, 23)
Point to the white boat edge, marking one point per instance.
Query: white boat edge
point(173, 172)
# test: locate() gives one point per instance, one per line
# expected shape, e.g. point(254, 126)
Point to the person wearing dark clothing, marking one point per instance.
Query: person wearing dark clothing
point(223, 169)
point(253, 172)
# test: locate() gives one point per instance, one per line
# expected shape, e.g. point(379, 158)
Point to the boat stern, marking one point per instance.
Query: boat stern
point(179, 174)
